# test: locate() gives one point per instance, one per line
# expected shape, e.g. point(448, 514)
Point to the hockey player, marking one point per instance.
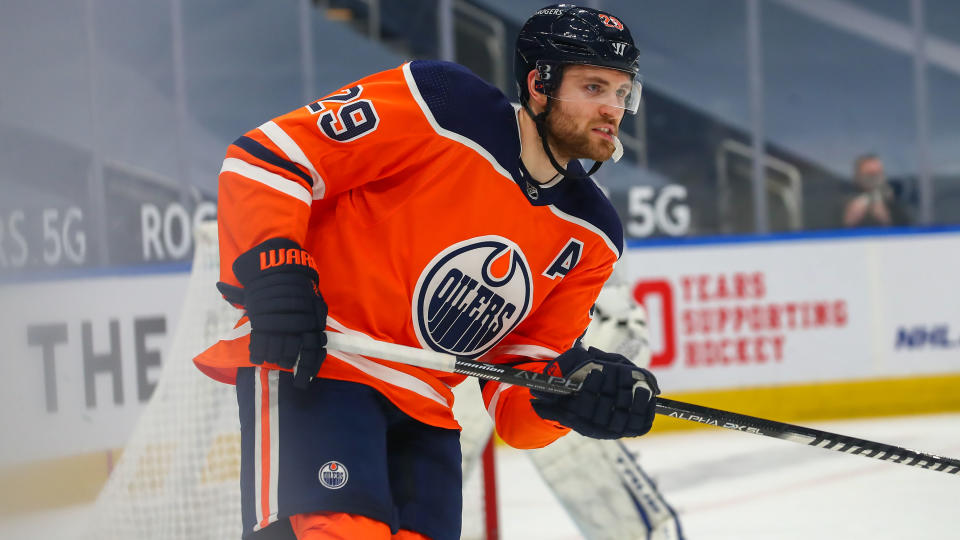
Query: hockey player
point(417, 206)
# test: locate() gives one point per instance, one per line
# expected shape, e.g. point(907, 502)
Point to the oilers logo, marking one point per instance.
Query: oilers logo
point(333, 475)
point(471, 295)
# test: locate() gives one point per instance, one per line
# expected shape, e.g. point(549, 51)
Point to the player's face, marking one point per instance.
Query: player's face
point(587, 111)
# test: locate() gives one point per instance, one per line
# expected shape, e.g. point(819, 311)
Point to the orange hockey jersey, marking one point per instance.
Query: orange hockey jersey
point(408, 190)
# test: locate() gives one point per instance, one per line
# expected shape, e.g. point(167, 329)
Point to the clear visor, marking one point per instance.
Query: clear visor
point(604, 86)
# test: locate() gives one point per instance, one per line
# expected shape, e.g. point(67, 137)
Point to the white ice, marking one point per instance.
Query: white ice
point(729, 486)
point(736, 486)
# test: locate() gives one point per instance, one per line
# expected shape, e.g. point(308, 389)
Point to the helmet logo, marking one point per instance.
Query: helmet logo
point(612, 22)
point(619, 47)
point(544, 71)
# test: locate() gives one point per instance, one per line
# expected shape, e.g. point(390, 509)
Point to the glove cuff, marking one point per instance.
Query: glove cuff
point(273, 256)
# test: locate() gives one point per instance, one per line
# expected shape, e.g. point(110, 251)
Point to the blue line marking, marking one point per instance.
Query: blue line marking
point(67, 274)
point(833, 234)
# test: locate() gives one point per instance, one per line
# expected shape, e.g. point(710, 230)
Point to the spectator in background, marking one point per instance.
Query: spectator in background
point(874, 204)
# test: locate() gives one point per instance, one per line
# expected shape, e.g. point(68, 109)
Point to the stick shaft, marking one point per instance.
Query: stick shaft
point(667, 407)
point(448, 362)
point(804, 435)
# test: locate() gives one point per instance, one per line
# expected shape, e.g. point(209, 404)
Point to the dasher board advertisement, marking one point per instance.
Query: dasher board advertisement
point(737, 314)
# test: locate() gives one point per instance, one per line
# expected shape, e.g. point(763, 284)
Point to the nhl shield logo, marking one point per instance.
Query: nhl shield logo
point(471, 295)
point(333, 475)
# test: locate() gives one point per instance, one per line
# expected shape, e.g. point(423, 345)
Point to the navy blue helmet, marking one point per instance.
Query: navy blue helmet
point(567, 34)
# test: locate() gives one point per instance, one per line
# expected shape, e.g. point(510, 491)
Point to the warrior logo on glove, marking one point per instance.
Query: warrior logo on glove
point(290, 256)
point(287, 313)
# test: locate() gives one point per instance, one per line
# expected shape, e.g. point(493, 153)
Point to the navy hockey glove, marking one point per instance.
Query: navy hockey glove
point(287, 313)
point(616, 399)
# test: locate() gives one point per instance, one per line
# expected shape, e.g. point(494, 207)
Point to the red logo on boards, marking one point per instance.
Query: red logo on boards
point(728, 319)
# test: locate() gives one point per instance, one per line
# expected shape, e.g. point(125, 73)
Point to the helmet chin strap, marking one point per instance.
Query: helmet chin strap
point(541, 121)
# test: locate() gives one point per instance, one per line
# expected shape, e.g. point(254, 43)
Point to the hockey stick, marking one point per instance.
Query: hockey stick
point(667, 407)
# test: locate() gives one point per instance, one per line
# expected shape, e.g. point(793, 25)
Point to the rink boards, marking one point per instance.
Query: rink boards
point(794, 328)
point(805, 326)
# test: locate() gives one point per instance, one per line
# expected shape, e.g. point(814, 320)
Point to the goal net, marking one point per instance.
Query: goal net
point(179, 475)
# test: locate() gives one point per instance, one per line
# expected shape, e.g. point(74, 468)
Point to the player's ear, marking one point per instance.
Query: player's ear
point(535, 88)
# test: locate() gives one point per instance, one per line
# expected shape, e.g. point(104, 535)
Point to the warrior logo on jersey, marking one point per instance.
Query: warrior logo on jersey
point(333, 475)
point(471, 295)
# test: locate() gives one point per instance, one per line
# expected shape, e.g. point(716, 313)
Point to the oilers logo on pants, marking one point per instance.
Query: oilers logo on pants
point(334, 475)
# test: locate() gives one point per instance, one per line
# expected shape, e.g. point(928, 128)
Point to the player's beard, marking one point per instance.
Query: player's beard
point(571, 141)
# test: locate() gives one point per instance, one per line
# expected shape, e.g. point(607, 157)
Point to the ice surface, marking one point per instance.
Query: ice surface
point(728, 486)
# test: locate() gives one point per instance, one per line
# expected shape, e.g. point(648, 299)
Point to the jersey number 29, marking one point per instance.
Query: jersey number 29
point(344, 117)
